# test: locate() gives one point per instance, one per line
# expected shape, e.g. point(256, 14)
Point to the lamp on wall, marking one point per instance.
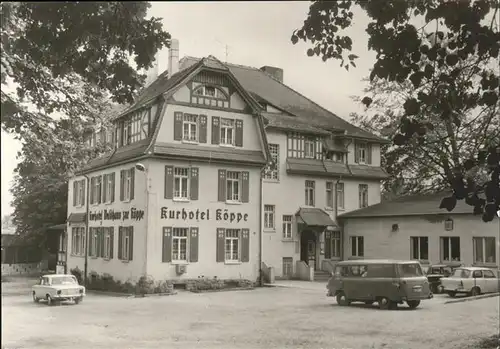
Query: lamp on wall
point(395, 228)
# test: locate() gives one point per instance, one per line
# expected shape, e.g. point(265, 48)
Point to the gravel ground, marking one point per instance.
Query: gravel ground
point(262, 318)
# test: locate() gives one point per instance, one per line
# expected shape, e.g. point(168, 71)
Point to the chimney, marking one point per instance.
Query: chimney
point(152, 73)
point(276, 73)
point(173, 57)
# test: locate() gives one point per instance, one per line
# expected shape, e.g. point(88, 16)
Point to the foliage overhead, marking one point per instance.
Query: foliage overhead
point(428, 43)
point(57, 53)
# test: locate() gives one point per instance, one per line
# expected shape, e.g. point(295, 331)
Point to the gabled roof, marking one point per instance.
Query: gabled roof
point(276, 93)
point(411, 205)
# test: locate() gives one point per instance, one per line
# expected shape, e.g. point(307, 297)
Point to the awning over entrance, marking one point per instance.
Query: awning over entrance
point(76, 218)
point(315, 218)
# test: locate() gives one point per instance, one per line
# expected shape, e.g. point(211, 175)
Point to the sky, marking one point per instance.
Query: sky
point(257, 34)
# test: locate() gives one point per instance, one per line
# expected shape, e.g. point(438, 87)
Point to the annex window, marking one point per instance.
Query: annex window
point(126, 243)
point(304, 146)
point(309, 193)
point(357, 246)
point(79, 193)
point(78, 241)
point(269, 214)
point(233, 186)
point(363, 195)
point(309, 147)
point(127, 184)
point(190, 127)
point(419, 247)
point(179, 244)
point(181, 183)
point(335, 244)
point(232, 245)
point(484, 250)
point(227, 131)
point(108, 187)
point(96, 190)
point(287, 266)
point(450, 248)
point(329, 194)
point(272, 172)
point(108, 243)
point(361, 153)
point(340, 195)
point(287, 226)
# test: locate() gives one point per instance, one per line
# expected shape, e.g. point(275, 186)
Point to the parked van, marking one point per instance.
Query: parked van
point(387, 282)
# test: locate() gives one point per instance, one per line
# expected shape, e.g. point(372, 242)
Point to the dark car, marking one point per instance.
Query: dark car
point(437, 271)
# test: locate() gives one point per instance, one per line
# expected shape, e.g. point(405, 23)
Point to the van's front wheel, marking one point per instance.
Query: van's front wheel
point(342, 299)
point(413, 304)
point(385, 303)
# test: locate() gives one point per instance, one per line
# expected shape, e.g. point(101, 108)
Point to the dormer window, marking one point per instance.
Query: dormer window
point(309, 144)
point(210, 91)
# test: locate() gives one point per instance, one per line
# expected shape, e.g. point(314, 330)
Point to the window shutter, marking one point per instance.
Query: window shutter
point(245, 179)
point(356, 152)
point(360, 195)
point(169, 182)
point(131, 243)
point(193, 245)
point(99, 193)
point(122, 183)
point(92, 185)
point(222, 185)
point(369, 154)
point(84, 192)
point(113, 187)
point(203, 129)
point(220, 245)
point(238, 141)
point(178, 126)
point(328, 245)
point(120, 242)
point(167, 245)
point(101, 235)
point(245, 245)
point(215, 130)
point(132, 182)
point(104, 188)
point(193, 183)
point(74, 192)
point(111, 241)
point(91, 231)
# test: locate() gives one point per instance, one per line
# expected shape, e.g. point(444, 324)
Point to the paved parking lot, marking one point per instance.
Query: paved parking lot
point(262, 318)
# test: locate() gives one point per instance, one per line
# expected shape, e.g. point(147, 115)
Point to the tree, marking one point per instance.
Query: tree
point(429, 43)
point(54, 54)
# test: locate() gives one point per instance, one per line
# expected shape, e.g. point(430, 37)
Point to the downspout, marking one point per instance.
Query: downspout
point(261, 203)
point(87, 204)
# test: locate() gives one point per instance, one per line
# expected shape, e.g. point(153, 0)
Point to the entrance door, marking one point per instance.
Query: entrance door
point(311, 253)
point(308, 248)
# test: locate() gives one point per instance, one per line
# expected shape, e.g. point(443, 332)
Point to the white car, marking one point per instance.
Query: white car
point(58, 288)
point(471, 280)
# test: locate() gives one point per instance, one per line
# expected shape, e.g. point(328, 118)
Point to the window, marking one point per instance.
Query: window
point(287, 227)
point(410, 270)
point(363, 195)
point(181, 183)
point(78, 193)
point(78, 241)
point(126, 243)
point(329, 194)
point(419, 247)
point(232, 246)
point(269, 215)
point(272, 172)
point(381, 270)
point(340, 195)
point(179, 244)
point(357, 246)
point(233, 186)
point(227, 131)
point(338, 157)
point(127, 183)
point(109, 185)
point(190, 128)
point(309, 193)
point(133, 127)
point(484, 250)
point(287, 266)
point(488, 274)
point(309, 144)
point(450, 248)
point(335, 244)
point(108, 242)
point(96, 193)
point(361, 153)
point(210, 91)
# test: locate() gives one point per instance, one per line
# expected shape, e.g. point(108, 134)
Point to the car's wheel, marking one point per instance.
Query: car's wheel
point(476, 291)
point(452, 294)
point(440, 289)
point(78, 300)
point(413, 304)
point(50, 301)
point(385, 303)
point(35, 298)
point(342, 299)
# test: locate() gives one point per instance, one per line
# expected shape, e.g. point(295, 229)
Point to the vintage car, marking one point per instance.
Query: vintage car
point(437, 271)
point(472, 281)
point(57, 288)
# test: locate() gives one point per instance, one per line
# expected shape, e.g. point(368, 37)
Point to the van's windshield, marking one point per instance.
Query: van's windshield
point(410, 270)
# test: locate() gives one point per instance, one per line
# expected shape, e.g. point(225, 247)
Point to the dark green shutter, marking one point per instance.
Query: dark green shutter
point(215, 130)
point(74, 192)
point(222, 186)
point(356, 152)
point(203, 129)
point(91, 232)
point(122, 184)
point(132, 182)
point(92, 185)
point(193, 245)
point(245, 245)
point(84, 192)
point(328, 245)
point(193, 183)
point(166, 253)
point(131, 243)
point(113, 187)
point(104, 188)
point(99, 193)
point(369, 154)
point(245, 183)
point(220, 254)
point(238, 141)
point(177, 126)
point(120, 242)
point(169, 182)
point(111, 242)
point(102, 236)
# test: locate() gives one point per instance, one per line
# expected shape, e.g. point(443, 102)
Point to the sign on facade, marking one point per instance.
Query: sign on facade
point(204, 215)
point(112, 215)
